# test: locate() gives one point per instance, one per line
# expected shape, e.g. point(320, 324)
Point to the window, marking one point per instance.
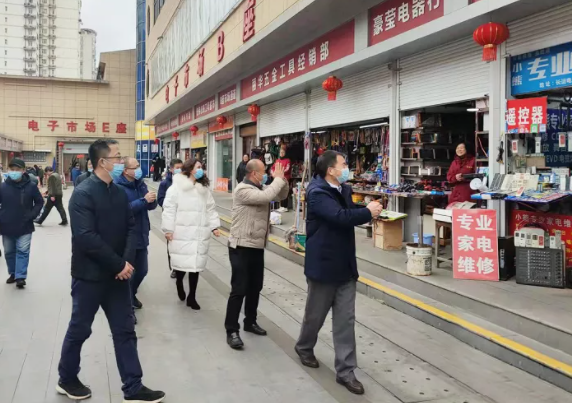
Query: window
point(5, 63)
point(5, 41)
point(148, 20)
point(147, 85)
point(43, 61)
point(5, 53)
point(44, 41)
point(5, 19)
point(6, 30)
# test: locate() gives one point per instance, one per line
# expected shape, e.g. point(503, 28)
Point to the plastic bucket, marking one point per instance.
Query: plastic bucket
point(427, 239)
point(300, 242)
point(419, 260)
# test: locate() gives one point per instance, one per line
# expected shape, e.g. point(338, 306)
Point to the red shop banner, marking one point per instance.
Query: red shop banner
point(475, 245)
point(162, 128)
point(548, 222)
point(186, 117)
point(394, 17)
point(332, 46)
point(227, 97)
point(205, 107)
point(527, 115)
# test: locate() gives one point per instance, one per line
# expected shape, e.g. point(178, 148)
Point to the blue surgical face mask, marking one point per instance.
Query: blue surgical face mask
point(177, 171)
point(15, 175)
point(117, 171)
point(90, 169)
point(138, 173)
point(199, 174)
point(264, 179)
point(344, 176)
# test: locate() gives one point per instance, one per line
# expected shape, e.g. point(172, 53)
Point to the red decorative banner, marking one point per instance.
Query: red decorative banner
point(216, 127)
point(394, 17)
point(475, 245)
point(205, 107)
point(186, 117)
point(327, 49)
point(548, 222)
point(227, 97)
point(162, 128)
point(174, 122)
point(223, 135)
point(527, 115)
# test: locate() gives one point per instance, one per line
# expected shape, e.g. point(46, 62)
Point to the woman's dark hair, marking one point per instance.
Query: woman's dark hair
point(188, 167)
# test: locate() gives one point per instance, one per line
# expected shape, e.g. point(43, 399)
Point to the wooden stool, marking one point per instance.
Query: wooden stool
point(436, 258)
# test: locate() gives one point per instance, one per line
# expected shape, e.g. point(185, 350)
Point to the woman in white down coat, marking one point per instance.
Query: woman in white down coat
point(189, 218)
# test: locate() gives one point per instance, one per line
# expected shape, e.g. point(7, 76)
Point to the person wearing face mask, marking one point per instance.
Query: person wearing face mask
point(75, 172)
point(84, 175)
point(104, 242)
point(189, 218)
point(330, 265)
point(141, 201)
point(55, 196)
point(248, 235)
point(20, 203)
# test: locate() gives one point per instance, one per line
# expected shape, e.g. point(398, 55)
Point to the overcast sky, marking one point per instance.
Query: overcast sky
point(113, 20)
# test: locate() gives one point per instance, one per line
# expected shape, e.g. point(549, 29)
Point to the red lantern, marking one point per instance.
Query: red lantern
point(175, 136)
point(12, 154)
point(61, 144)
point(80, 156)
point(332, 84)
point(254, 111)
point(157, 141)
point(489, 36)
point(194, 130)
point(221, 120)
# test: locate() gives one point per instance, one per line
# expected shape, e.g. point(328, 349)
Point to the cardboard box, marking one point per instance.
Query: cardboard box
point(388, 235)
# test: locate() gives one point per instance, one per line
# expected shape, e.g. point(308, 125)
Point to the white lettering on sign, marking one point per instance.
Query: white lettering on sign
point(228, 97)
point(390, 19)
point(312, 56)
point(418, 8)
point(484, 223)
point(302, 62)
point(485, 265)
point(274, 75)
point(324, 51)
point(466, 221)
point(403, 12)
point(562, 64)
point(378, 25)
point(466, 243)
point(523, 116)
point(291, 67)
point(466, 264)
point(538, 68)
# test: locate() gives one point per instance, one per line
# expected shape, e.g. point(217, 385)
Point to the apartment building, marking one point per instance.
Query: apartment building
point(87, 54)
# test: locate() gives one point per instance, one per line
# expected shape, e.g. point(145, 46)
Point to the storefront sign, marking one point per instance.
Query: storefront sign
point(216, 127)
point(526, 115)
point(394, 17)
point(74, 127)
point(199, 140)
point(162, 128)
point(221, 184)
point(542, 70)
point(331, 47)
point(227, 97)
point(475, 245)
point(224, 135)
point(205, 107)
point(548, 222)
point(554, 148)
point(174, 122)
point(248, 29)
point(186, 117)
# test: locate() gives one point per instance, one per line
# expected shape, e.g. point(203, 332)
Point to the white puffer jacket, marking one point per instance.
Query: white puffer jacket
point(189, 213)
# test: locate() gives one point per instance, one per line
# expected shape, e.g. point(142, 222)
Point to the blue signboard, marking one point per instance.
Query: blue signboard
point(542, 70)
point(555, 155)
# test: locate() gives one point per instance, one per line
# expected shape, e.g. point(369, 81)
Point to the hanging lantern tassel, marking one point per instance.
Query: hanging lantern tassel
point(175, 136)
point(221, 120)
point(254, 111)
point(332, 84)
point(194, 130)
point(489, 36)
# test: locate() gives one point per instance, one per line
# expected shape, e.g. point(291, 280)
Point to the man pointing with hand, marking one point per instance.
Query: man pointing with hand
point(103, 243)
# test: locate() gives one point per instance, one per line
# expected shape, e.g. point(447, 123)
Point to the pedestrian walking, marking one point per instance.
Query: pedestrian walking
point(55, 195)
point(20, 202)
point(75, 172)
point(103, 245)
point(175, 167)
point(330, 266)
point(84, 175)
point(156, 168)
point(241, 169)
point(189, 218)
point(141, 201)
point(248, 236)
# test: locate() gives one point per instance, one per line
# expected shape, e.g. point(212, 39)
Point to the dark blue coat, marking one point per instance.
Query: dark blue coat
point(163, 187)
point(103, 230)
point(330, 227)
point(136, 192)
point(21, 202)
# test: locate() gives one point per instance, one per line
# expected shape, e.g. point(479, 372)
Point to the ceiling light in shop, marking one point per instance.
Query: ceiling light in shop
point(473, 110)
point(375, 125)
point(322, 131)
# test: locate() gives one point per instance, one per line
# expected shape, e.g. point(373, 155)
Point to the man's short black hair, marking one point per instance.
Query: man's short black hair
point(328, 159)
point(174, 162)
point(100, 149)
point(49, 169)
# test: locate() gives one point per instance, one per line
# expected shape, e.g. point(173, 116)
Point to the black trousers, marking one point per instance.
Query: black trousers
point(246, 282)
point(59, 206)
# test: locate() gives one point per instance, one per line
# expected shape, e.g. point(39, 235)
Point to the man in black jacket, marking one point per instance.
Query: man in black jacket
point(20, 203)
point(103, 244)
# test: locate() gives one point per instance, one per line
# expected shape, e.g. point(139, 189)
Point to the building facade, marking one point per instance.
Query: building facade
point(40, 114)
point(87, 54)
point(40, 38)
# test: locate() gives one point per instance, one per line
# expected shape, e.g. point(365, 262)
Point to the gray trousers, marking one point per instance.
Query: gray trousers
point(342, 299)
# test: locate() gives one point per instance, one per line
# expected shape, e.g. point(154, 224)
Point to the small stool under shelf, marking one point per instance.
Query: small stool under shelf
point(436, 258)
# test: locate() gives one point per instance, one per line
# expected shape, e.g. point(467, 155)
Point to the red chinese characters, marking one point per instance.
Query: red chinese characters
point(105, 127)
point(121, 128)
point(527, 115)
point(201, 63)
point(90, 127)
point(327, 49)
point(72, 127)
point(167, 94)
point(220, 46)
point(475, 245)
point(186, 80)
point(249, 17)
point(176, 86)
point(205, 107)
point(227, 97)
point(53, 124)
point(186, 117)
point(395, 17)
point(33, 125)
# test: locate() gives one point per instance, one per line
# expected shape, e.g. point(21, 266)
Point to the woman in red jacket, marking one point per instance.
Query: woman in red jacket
point(464, 163)
point(287, 165)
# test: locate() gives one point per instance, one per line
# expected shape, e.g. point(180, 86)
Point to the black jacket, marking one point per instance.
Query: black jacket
point(81, 178)
point(21, 202)
point(330, 227)
point(241, 171)
point(103, 230)
point(163, 187)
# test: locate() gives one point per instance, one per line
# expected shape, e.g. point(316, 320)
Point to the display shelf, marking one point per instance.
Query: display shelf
point(425, 159)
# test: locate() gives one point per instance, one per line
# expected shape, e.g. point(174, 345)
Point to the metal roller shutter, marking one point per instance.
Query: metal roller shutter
point(283, 117)
point(242, 118)
point(365, 96)
point(185, 140)
point(451, 73)
point(76, 148)
point(540, 31)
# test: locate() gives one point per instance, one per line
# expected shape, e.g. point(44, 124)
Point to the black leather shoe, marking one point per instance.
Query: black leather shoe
point(353, 386)
point(254, 328)
point(311, 362)
point(21, 283)
point(234, 341)
point(64, 223)
point(146, 395)
point(173, 274)
point(11, 279)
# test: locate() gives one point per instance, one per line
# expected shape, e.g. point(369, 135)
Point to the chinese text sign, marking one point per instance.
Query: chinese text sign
point(227, 97)
point(221, 184)
point(475, 245)
point(542, 70)
point(331, 47)
point(527, 115)
point(548, 222)
point(205, 107)
point(554, 154)
point(395, 17)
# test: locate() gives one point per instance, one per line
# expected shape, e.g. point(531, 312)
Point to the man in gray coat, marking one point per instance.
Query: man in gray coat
point(248, 235)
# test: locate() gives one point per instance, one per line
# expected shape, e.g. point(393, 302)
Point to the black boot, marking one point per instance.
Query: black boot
point(191, 299)
point(180, 287)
